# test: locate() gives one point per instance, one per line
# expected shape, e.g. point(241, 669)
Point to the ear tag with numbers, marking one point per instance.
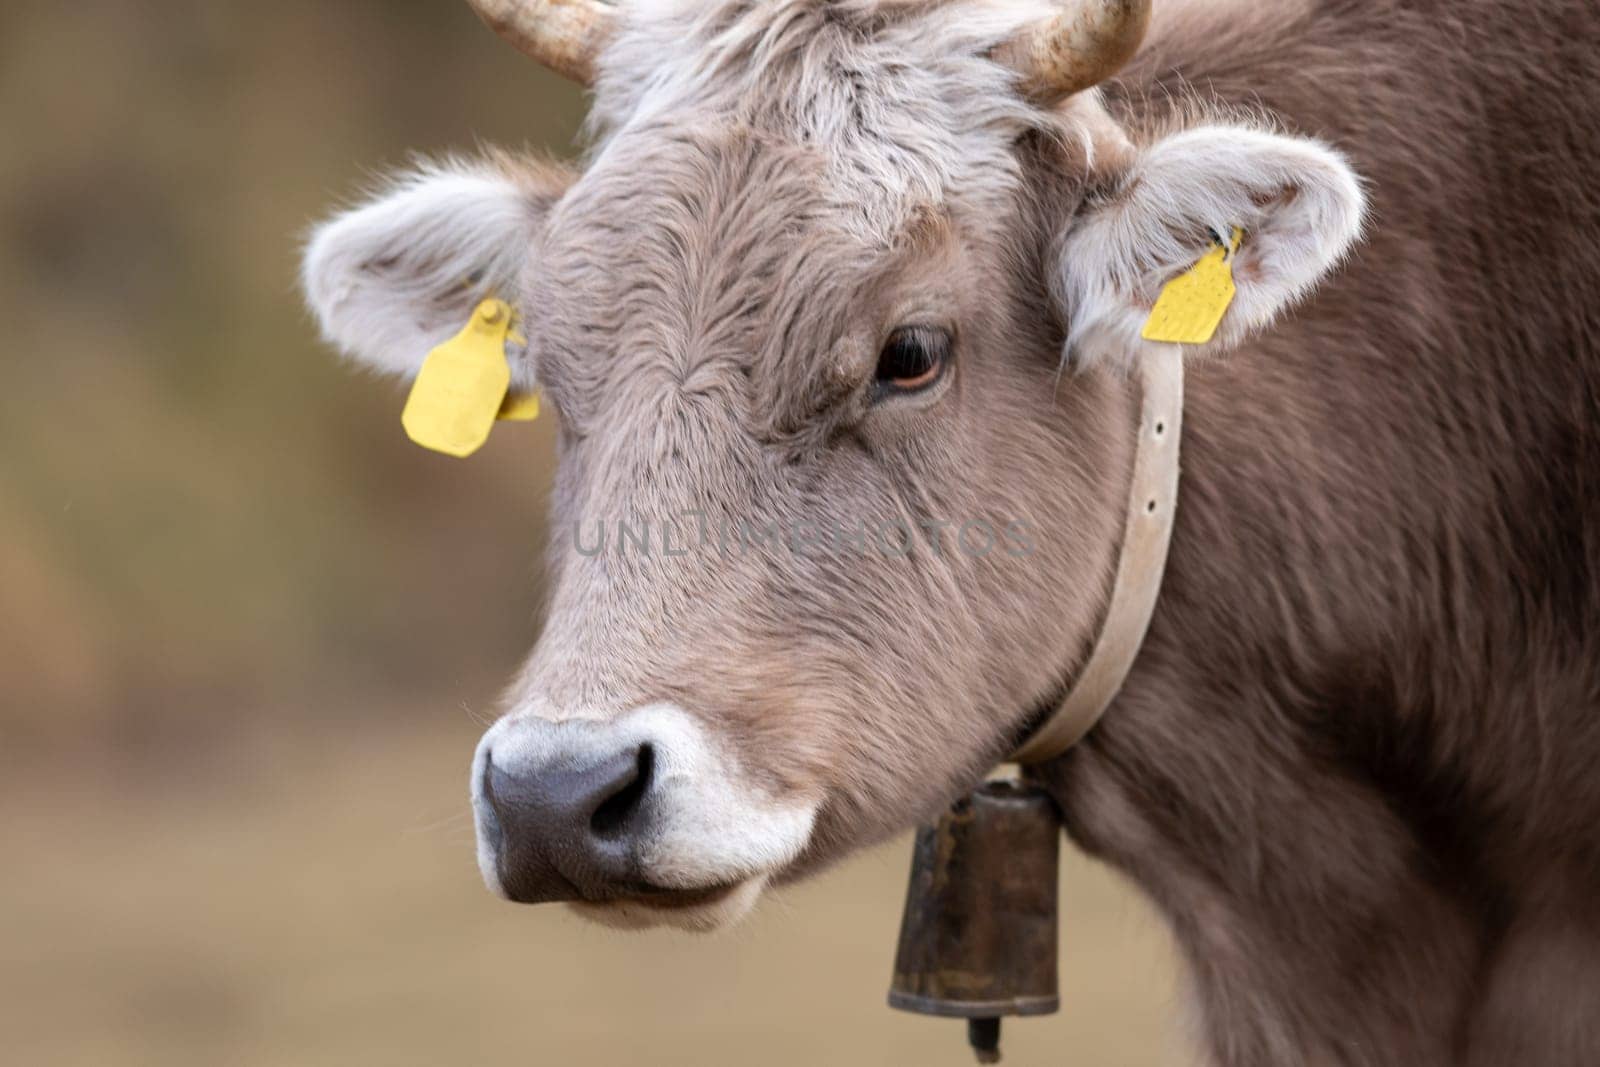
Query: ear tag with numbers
point(1191, 305)
point(463, 386)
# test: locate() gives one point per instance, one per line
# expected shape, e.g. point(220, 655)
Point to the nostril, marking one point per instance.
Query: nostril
point(486, 782)
point(614, 813)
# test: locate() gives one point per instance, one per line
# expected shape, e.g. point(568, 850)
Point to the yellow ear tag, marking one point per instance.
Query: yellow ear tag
point(519, 407)
point(462, 385)
point(1191, 305)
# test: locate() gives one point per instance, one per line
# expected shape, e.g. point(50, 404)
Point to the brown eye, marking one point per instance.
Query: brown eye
point(913, 358)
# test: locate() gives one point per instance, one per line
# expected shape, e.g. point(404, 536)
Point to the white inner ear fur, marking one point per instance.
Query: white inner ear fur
point(394, 277)
point(1298, 202)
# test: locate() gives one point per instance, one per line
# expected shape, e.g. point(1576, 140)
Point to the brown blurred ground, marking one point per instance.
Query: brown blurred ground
point(245, 629)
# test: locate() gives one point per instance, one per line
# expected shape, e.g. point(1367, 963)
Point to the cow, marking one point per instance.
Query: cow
point(830, 268)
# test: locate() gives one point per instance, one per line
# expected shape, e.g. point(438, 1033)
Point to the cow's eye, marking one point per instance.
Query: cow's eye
point(912, 359)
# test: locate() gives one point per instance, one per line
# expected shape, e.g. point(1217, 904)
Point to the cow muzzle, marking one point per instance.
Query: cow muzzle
point(567, 831)
point(639, 819)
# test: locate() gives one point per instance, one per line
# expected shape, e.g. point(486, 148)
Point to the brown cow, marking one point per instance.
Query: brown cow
point(837, 318)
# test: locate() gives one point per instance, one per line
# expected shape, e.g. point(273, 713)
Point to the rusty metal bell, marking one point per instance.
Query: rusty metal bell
point(978, 938)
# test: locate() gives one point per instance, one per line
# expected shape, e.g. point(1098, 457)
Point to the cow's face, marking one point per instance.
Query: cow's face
point(836, 325)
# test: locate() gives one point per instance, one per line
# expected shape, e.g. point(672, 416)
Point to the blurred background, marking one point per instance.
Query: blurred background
point(249, 635)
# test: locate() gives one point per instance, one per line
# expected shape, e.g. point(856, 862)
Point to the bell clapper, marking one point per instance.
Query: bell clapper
point(984, 1037)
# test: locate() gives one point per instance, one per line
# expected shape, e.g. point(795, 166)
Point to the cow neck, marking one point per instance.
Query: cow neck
point(1146, 534)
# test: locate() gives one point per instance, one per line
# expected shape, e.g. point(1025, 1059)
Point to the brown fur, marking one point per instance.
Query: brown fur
point(1356, 761)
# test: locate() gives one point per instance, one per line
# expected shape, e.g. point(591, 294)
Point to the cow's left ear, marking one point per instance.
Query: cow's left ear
point(1297, 201)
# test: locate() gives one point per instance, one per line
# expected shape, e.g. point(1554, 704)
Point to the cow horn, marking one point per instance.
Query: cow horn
point(564, 35)
point(1083, 45)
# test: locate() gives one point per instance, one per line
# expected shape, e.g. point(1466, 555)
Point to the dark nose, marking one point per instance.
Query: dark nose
point(568, 828)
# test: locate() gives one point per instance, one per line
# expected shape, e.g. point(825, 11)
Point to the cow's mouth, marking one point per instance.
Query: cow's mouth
point(672, 899)
point(693, 909)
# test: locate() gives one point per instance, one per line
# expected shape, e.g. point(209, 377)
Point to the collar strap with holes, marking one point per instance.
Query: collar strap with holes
point(1146, 533)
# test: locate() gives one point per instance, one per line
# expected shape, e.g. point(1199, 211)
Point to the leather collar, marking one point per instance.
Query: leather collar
point(1142, 560)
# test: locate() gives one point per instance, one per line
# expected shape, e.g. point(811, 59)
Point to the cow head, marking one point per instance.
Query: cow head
point(836, 317)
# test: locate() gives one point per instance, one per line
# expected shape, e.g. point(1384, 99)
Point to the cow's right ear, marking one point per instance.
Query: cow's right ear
point(390, 279)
